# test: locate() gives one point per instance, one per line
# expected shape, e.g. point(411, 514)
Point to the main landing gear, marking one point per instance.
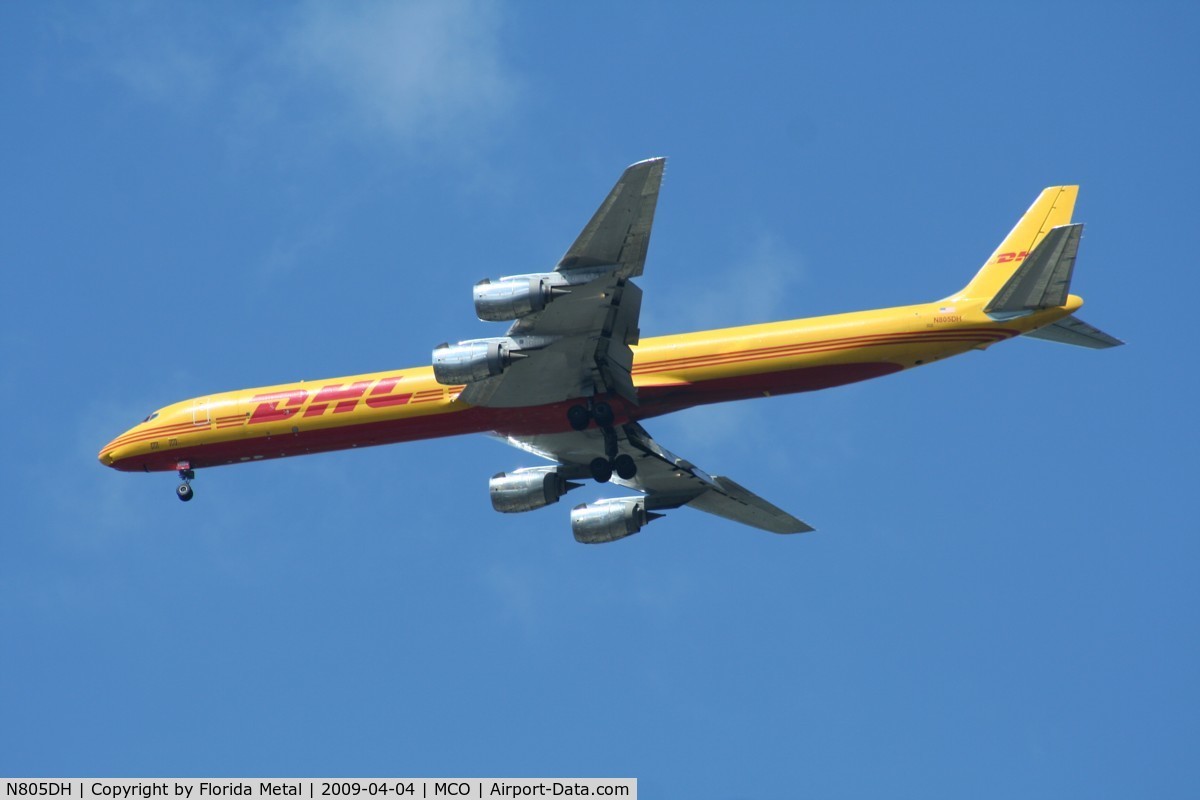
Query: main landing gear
point(184, 490)
point(581, 416)
point(602, 469)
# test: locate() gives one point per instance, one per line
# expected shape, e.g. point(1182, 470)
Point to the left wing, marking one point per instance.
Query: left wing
point(619, 232)
point(574, 326)
point(667, 480)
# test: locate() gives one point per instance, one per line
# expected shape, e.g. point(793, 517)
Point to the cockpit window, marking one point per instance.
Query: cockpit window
point(152, 416)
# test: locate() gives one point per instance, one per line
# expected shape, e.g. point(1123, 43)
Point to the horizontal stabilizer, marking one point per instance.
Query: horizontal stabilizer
point(1044, 279)
point(1073, 330)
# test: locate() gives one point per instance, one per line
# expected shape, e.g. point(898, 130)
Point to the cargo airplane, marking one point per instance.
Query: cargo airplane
point(572, 380)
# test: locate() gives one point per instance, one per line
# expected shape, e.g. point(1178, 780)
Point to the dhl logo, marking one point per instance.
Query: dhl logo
point(1004, 258)
point(276, 406)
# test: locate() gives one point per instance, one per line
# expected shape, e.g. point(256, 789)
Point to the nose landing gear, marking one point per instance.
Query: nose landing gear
point(184, 490)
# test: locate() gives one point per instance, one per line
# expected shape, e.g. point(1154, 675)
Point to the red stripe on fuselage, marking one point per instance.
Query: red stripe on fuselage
point(161, 430)
point(823, 345)
point(741, 358)
point(654, 401)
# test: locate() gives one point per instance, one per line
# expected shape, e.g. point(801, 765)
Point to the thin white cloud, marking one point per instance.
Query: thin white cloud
point(416, 70)
point(165, 74)
point(288, 253)
point(757, 286)
point(516, 591)
point(159, 54)
point(425, 73)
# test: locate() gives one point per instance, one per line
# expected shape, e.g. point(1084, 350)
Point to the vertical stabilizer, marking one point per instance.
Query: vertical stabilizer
point(1052, 209)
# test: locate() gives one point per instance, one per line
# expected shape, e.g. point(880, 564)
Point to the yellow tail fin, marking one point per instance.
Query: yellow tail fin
point(1052, 208)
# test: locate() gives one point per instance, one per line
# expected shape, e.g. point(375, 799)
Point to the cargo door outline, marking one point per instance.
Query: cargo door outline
point(201, 412)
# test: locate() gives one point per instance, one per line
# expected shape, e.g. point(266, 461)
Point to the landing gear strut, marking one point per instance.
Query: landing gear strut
point(184, 490)
point(602, 469)
point(614, 461)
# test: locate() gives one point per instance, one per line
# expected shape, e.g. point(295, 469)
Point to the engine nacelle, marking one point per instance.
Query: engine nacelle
point(474, 360)
point(516, 297)
point(609, 520)
point(527, 489)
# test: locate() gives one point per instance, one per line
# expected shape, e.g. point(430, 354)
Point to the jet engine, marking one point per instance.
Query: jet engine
point(474, 360)
point(528, 489)
point(609, 520)
point(516, 297)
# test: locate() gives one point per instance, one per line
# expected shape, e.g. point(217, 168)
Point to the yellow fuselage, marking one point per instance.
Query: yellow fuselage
point(670, 373)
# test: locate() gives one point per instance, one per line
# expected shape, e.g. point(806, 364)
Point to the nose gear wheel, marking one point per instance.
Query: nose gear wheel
point(184, 490)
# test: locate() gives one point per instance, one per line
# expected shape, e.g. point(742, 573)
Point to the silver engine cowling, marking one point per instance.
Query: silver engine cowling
point(609, 520)
point(516, 297)
point(474, 360)
point(527, 489)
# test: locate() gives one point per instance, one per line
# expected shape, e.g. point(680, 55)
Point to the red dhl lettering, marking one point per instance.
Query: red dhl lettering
point(348, 395)
point(276, 406)
point(381, 396)
point(1004, 258)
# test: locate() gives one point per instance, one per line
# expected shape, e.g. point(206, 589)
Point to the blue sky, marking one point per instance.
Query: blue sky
point(1001, 596)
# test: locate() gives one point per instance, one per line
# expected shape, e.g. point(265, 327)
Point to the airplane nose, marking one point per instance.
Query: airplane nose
point(108, 453)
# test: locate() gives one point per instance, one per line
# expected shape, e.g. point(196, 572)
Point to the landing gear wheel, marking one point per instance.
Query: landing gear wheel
point(602, 470)
point(579, 417)
point(603, 414)
point(184, 490)
point(624, 466)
